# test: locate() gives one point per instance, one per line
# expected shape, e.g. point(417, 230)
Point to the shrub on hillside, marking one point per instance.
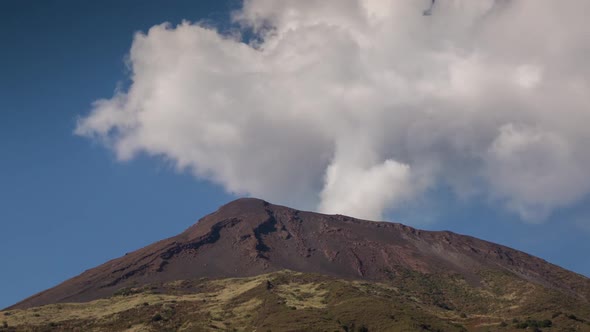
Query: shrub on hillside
point(534, 324)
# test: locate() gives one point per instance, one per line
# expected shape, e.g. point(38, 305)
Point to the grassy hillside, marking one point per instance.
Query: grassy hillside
point(290, 301)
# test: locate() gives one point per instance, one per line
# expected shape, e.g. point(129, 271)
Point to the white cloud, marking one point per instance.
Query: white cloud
point(351, 190)
point(355, 106)
point(535, 170)
point(528, 76)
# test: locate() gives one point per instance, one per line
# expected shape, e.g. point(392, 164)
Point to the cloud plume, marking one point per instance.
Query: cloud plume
point(357, 106)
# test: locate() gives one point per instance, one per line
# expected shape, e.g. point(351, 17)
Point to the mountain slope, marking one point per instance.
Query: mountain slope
point(250, 237)
point(294, 301)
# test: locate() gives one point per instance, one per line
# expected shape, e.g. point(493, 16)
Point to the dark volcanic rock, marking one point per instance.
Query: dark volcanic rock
point(249, 237)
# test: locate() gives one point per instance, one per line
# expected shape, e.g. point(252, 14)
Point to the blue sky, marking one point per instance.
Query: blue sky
point(68, 203)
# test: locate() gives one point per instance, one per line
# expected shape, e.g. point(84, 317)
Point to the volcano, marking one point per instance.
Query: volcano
point(249, 237)
point(252, 265)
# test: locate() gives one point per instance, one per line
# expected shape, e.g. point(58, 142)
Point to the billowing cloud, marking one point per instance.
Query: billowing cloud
point(357, 106)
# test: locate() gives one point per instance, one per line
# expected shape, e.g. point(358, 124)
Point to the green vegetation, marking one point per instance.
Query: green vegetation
point(290, 301)
point(533, 324)
point(127, 291)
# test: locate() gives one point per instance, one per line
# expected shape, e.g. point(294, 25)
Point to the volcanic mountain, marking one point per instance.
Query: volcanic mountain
point(250, 237)
point(255, 266)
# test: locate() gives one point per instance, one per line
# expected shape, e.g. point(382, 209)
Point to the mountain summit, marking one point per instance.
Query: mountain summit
point(250, 237)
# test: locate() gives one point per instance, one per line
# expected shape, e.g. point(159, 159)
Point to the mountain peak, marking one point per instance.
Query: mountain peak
point(243, 204)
